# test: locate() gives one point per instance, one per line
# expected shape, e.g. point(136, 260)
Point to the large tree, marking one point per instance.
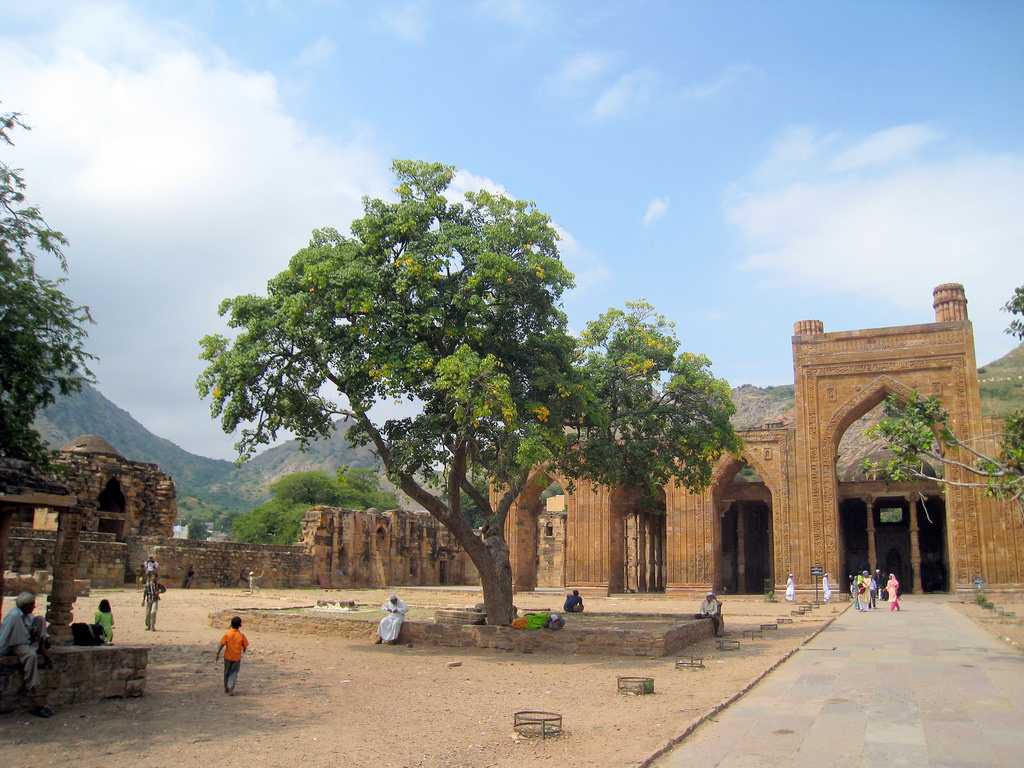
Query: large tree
point(41, 330)
point(451, 307)
point(916, 431)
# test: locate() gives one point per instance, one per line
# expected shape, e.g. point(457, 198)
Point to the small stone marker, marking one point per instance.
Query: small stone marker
point(772, 626)
point(453, 664)
point(753, 633)
point(728, 645)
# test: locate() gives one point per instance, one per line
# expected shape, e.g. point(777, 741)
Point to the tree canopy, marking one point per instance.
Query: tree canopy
point(41, 330)
point(452, 308)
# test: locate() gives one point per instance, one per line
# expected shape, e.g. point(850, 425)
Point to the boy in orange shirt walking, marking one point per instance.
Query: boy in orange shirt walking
point(234, 644)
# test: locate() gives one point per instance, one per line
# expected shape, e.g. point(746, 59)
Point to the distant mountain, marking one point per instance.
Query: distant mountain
point(207, 481)
point(204, 482)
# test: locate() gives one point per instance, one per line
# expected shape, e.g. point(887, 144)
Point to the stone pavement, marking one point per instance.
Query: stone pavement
point(924, 687)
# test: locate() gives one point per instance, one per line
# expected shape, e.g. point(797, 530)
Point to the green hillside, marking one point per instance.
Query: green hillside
point(1002, 384)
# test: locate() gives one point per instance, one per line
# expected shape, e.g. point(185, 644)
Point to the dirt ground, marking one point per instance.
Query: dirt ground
point(314, 701)
point(1008, 629)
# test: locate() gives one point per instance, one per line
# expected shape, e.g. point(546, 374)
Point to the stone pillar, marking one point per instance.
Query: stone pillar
point(59, 610)
point(641, 552)
point(915, 545)
point(741, 547)
point(652, 557)
point(950, 303)
point(872, 552)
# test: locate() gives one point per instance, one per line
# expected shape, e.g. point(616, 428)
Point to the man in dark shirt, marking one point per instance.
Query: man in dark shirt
point(573, 602)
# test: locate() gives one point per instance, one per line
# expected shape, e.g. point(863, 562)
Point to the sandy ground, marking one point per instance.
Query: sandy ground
point(1009, 630)
point(313, 701)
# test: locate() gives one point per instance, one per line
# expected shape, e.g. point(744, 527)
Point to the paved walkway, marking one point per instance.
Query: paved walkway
point(925, 687)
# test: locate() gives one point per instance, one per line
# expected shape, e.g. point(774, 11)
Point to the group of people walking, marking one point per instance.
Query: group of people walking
point(865, 590)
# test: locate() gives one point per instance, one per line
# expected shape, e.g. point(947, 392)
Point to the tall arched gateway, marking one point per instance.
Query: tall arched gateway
point(939, 538)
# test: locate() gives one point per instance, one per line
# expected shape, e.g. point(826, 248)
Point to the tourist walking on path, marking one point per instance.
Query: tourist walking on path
point(24, 635)
point(391, 624)
point(187, 583)
point(234, 644)
point(105, 619)
point(873, 591)
point(826, 588)
point(862, 591)
point(151, 601)
point(893, 587)
point(790, 589)
point(152, 569)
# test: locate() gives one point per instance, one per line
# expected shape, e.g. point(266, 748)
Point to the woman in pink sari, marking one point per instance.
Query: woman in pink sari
point(893, 587)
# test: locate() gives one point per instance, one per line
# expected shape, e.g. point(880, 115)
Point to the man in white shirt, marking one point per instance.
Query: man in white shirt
point(24, 635)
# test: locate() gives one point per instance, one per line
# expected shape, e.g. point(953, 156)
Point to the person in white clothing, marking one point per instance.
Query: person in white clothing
point(790, 589)
point(826, 588)
point(391, 624)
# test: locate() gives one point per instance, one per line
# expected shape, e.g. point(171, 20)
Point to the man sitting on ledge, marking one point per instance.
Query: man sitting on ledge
point(711, 607)
point(24, 635)
point(573, 602)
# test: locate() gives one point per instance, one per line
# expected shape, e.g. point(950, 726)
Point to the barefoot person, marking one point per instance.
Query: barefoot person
point(391, 624)
point(234, 644)
point(24, 635)
point(893, 588)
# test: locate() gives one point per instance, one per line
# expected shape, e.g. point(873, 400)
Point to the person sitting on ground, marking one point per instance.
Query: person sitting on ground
point(24, 635)
point(573, 602)
point(105, 619)
point(391, 624)
point(712, 608)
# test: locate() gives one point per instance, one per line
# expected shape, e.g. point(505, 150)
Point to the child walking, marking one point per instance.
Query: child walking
point(234, 644)
point(105, 619)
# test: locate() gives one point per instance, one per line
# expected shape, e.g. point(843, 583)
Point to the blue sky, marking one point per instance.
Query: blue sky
point(740, 165)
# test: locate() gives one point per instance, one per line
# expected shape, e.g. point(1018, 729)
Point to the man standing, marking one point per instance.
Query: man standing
point(873, 587)
point(826, 588)
point(24, 635)
point(151, 602)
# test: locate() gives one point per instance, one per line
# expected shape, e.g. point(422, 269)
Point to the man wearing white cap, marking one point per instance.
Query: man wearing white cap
point(712, 608)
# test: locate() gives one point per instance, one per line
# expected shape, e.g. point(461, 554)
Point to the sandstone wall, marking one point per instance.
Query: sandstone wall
point(101, 557)
point(78, 675)
point(222, 564)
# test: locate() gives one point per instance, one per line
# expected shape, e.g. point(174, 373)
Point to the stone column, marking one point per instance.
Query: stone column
point(641, 552)
point(59, 610)
point(872, 552)
point(915, 545)
point(741, 547)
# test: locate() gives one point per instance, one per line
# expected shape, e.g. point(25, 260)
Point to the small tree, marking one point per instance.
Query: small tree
point(654, 414)
point(41, 329)
point(360, 489)
point(916, 432)
point(198, 530)
point(454, 306)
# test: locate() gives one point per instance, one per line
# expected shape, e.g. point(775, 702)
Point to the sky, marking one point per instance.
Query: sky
point(742, 166)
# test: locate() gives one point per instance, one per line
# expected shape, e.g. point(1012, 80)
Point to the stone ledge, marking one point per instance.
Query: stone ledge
point(585, 640)
point(78, 675)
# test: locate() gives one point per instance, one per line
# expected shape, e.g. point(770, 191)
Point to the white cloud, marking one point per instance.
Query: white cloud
point(582, 68)
point(711, 88)
point(884, 147)
point(891, 235)
point(408, 21)
point(316, 54)
point(657, 208)
point(180, 178)
point(628, 93)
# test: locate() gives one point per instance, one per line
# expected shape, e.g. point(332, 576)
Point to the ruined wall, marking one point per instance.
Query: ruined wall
point(551, 544)
point(221, 563)
point(151, 505)
point(376, 549)
point(101, 557)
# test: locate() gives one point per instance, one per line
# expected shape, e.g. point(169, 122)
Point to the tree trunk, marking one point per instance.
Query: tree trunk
point(495, 579)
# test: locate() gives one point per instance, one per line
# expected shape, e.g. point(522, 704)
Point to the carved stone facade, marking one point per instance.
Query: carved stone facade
point(380, 549)
point(748, 536)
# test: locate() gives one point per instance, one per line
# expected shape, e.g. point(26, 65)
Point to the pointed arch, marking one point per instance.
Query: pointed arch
point(859, 404)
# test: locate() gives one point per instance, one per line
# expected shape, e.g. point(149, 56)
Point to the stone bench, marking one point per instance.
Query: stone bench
point(79, 675)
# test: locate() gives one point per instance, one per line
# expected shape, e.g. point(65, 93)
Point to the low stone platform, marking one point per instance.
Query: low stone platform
point(622, 635)
point(79, 675)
